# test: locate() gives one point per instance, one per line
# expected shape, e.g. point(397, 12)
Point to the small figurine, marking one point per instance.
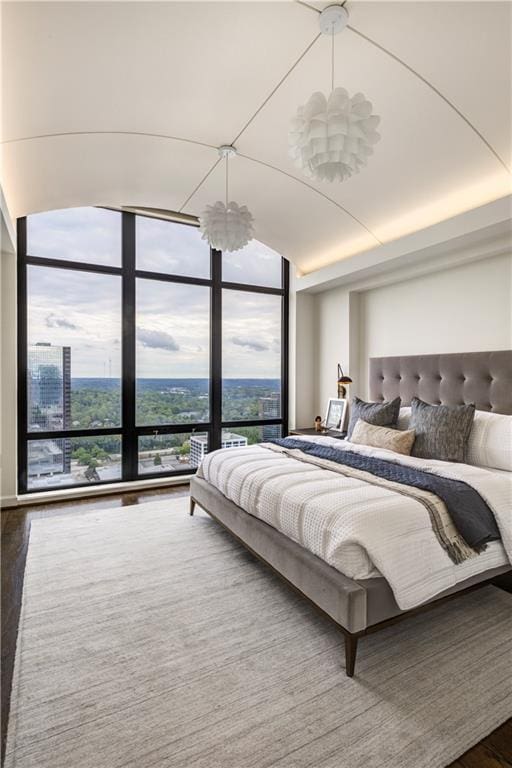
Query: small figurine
point(318, 424)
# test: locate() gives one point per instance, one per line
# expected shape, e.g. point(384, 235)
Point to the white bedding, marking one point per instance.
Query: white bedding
point(360, 529)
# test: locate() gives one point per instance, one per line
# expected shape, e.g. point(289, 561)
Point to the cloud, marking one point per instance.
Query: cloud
point(78, 234)
point(52, 321)
point(253, 344)
point(157, 340)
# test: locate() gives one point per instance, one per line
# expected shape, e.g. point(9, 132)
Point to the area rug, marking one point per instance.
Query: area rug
point(151, 639)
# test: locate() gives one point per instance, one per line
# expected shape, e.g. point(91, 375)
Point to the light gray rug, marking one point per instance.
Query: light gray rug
point(151, 639)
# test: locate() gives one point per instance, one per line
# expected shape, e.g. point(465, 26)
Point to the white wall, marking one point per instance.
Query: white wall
point(332, 343)
point(463, 309)
point(302, 371)
point(467, 309)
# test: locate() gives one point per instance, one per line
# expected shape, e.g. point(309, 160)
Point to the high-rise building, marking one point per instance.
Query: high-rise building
point(49, 406)
point(46, 457)
point(270, 408)
point(49, 387)
point(199, 445)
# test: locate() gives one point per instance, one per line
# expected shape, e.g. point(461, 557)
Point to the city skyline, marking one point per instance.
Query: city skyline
point(53, 404)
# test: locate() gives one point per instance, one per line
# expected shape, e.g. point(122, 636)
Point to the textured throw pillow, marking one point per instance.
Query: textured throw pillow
point(442, 431)
point(490, 441)
point(380, 414)
point(399, 441)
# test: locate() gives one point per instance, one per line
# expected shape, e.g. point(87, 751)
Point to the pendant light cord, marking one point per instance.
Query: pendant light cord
point(332, 57)
point(227, 171)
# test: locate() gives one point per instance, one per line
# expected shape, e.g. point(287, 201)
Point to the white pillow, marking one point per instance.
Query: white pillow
point(403, 418)
point(490, 440)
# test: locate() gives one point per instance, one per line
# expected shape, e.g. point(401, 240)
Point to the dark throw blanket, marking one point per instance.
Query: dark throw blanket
point(470, 514)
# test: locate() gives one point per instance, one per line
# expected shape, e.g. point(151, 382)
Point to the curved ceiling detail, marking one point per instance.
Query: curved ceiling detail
point(315, 190)
point(113, 133)
point(82, 130)
point(201, 144)
point(436, 91)
point(420, 77)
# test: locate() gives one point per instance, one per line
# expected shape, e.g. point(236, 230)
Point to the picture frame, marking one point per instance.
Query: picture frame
point(335, 414)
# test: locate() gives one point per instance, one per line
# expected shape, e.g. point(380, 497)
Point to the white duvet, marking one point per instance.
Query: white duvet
point(361, 529)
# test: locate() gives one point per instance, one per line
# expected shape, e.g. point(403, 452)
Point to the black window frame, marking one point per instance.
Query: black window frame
point(129, 431)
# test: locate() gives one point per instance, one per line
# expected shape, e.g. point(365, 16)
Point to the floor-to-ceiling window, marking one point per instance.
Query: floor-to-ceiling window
point(140, 349)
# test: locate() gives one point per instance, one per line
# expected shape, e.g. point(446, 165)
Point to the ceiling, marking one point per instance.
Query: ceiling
point(124, 104)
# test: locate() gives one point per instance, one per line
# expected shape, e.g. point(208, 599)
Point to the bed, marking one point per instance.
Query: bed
point(365, 585)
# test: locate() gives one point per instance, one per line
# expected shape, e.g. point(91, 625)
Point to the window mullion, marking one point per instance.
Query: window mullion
point(216, 352)
point(22, 356)
point(129, 445)
point(285, 319)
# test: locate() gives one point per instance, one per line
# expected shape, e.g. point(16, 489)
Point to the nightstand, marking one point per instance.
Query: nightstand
point(311, 431)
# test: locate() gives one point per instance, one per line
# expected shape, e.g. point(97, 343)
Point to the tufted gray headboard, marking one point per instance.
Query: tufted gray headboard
point(482, 378)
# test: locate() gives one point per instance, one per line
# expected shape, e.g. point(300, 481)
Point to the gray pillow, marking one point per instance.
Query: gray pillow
point(379, 414)
point(442, 431)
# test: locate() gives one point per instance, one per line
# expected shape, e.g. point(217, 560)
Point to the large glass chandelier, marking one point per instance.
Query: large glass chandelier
point(226, 226)
point(331, 137)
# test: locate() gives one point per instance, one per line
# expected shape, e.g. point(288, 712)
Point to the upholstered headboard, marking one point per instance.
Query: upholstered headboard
point(482, 378)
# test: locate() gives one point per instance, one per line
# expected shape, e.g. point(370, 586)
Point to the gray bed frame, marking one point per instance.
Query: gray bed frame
point(361, 607)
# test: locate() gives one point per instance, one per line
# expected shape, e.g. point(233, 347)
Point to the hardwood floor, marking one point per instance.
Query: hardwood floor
point(495, 751)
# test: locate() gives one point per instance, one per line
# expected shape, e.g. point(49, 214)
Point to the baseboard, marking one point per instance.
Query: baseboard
point(7, 502)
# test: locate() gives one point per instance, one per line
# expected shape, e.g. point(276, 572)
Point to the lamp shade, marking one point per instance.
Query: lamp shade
point(342, 379)
point(331, 138)
point(226, 227)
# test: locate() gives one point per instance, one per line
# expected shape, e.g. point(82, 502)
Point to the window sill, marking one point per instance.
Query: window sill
point(84, 492)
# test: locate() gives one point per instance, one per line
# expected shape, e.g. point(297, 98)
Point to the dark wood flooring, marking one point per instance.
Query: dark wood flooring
point(495, 751)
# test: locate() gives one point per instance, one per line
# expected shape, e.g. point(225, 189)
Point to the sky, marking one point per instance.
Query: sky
point(83, 310)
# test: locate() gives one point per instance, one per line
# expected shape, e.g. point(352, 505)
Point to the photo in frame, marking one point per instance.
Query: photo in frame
point(335, 414)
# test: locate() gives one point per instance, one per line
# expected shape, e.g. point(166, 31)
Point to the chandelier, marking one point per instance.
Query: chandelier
point(331, 137)
point(226, 226)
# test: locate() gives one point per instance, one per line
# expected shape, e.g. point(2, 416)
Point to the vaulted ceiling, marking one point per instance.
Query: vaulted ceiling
point(125, 103)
